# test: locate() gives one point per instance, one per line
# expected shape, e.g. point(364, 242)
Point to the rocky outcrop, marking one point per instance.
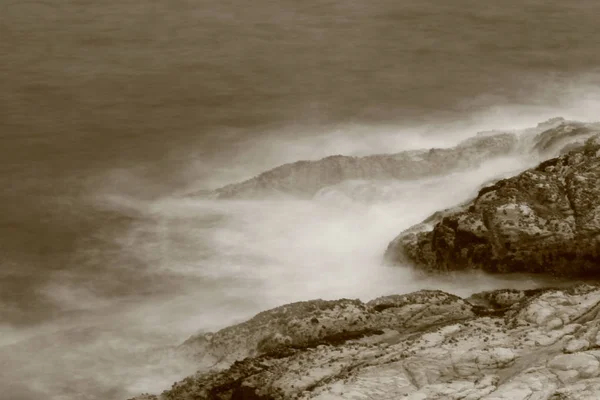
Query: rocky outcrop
point(562, 137)
point(504, 344)
point(308, 324)
point(546, 219)
point(305, 178)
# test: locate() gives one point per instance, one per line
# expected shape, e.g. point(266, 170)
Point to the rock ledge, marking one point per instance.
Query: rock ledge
point(504, 344)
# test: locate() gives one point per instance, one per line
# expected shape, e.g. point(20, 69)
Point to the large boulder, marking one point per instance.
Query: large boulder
point(546, 219)
point(513, 345)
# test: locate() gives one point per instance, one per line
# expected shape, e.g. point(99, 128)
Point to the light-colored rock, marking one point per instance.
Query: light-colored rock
point(576, 345)
point(315, 322)
point(472, 353)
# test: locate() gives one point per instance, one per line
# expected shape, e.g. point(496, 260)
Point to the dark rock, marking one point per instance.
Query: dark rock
point(545, 220)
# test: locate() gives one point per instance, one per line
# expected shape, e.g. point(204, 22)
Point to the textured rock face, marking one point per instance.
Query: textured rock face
point(546, 219)
point(507, 344)
point(311, 323)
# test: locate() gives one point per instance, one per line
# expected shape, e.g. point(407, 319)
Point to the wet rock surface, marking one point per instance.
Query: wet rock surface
point(306, 178)
point(544, 220)
point(562, 136)
point(504, 344)
point(311, 323)
point(507, 344)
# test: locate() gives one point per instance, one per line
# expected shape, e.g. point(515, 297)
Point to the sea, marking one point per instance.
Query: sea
point(112, 113)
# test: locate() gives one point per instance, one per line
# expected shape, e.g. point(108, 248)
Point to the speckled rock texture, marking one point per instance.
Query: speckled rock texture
point(306, 178)
point(506, 344)
point(315, 322)
point(546, 220)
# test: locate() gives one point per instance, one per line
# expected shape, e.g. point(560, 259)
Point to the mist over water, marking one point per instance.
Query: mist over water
point(112, 112)
point(199, 265)
point(178, 265)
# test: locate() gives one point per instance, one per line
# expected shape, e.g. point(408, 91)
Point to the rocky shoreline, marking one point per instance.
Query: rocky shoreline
point(503, 344)
point(544, 220)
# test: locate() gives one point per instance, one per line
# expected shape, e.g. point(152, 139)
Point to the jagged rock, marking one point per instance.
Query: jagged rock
point(546, 219)
point(522, 353)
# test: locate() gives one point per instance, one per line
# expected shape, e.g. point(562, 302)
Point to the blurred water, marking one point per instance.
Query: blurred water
point(108, 108)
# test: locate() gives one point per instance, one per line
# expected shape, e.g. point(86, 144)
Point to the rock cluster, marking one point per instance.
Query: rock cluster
point(546, 219)
point(506, 344)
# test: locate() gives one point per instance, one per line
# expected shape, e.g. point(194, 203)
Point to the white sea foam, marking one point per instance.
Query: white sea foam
point(214, 263)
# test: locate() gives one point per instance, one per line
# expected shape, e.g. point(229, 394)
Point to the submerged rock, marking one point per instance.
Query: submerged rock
point(566, 136)
point(428, 345)
point(306, 178)
point(545, 220)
